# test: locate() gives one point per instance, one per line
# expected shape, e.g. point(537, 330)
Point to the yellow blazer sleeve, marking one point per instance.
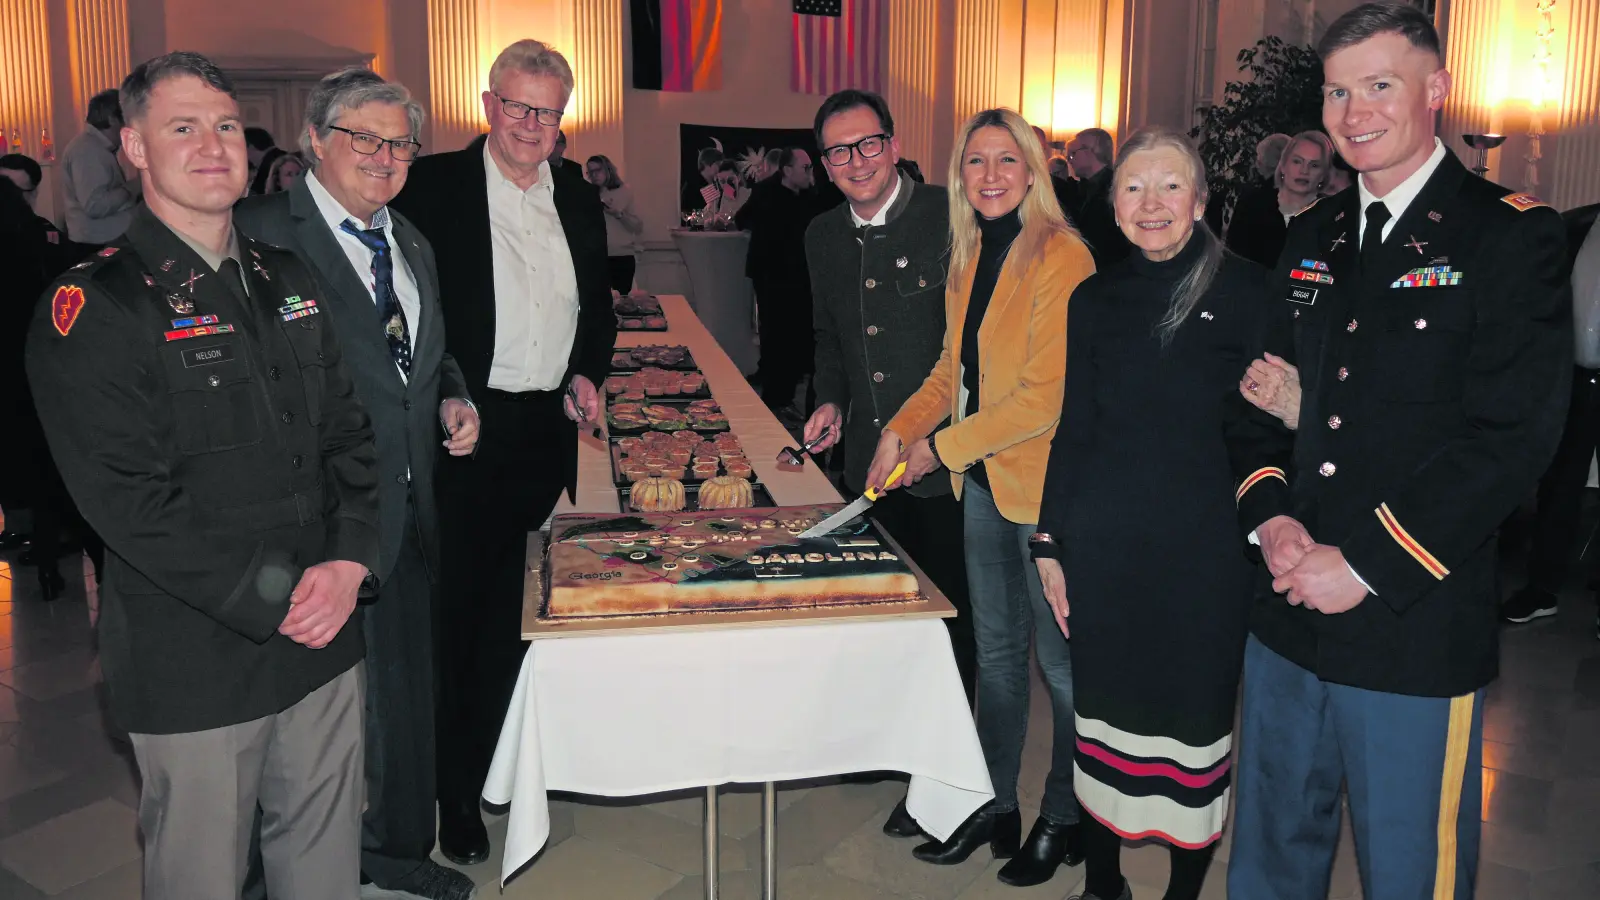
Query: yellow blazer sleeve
point(1033, 406)
point(923, 411)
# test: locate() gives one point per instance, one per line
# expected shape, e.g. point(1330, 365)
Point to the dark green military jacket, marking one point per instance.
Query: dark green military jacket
point(215, 442)
point(878, 307)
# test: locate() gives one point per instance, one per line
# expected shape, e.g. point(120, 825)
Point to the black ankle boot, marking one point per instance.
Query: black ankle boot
point(1049, 846)
point(1002, 832)
point(900, 824)
point(462, 838)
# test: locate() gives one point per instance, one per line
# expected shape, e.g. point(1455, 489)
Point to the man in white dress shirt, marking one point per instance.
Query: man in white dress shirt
point(521, 251)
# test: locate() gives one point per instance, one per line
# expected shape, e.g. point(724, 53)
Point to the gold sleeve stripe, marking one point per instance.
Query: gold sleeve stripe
point(1409, 544)
point(1256, 476)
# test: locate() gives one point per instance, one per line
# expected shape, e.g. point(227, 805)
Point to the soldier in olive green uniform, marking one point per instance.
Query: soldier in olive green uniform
point(195, 401)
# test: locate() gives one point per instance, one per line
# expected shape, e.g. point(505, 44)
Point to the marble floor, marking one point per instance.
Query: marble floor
point(68, 794)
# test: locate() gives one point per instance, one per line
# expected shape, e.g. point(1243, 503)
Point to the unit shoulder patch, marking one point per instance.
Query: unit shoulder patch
point(1523, 202)
point(65, 306)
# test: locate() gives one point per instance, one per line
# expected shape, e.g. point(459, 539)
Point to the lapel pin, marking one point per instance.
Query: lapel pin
point(1434, 216)
point(193, 277)
point(1416, 244)
point(1339, 217)
point(1206, 314)
point(254, 253)
point(901, 263)
point(1339, 240)
point(149, 280)
point(264, 275)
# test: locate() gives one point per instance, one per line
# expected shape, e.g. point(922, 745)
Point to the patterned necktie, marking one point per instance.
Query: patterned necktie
point(395, 327)
point(1372, 238)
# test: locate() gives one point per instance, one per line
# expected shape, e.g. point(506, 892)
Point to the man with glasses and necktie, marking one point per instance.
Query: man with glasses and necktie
point(1430, 318)
point(382, 292)
point(521, 251)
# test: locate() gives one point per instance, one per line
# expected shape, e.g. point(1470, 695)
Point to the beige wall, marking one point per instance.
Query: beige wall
point(293, 29)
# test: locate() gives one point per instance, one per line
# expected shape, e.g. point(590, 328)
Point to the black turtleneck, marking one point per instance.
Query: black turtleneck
point(996, 236)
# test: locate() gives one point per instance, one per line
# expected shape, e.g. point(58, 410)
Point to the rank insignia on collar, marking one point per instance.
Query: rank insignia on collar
point(1524, 202)
point(254, 253)
point(65, 306)
point(107, 252)
point(1339, 217)
point(149, 280)
point(166, 265)
point(83, 265)
point(901, 263)
point(1431, 276)
point(180, 304)
point(1206, 314)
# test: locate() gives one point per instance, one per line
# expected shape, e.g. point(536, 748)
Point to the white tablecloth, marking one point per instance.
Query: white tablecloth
point(621, 715)
point(723, 295)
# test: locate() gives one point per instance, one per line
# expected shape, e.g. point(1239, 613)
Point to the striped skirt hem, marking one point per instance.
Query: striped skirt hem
point(1144, 786)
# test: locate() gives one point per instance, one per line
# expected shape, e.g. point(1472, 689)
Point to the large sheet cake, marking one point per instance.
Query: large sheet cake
point(604, 564)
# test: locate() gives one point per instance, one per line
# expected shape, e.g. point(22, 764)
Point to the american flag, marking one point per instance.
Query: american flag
point(839, 44)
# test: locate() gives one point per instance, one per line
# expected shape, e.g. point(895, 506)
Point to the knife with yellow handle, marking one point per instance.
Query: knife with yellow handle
point(856, 508)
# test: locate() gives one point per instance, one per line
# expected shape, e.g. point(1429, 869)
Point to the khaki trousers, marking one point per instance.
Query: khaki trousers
point(303, 766)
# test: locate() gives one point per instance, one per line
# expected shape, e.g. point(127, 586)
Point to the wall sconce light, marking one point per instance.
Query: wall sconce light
point(1483, 143)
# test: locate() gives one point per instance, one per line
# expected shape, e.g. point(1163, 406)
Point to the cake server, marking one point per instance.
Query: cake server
point(856, 508)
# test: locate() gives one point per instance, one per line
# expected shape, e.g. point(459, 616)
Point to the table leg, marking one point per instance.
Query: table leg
point(712, 841)
point(769, 841)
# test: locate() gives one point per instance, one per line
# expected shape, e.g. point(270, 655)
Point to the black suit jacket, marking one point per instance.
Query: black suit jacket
point(1257, 230)
point(405, 412)
point(447, 196)
point(1096, 222)
point(1434, 389)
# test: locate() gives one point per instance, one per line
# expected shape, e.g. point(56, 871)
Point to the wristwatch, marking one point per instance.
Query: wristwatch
point(933, 449)
point(1039, 537)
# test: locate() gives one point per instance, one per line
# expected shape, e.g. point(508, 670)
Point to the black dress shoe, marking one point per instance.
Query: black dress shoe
point(1002, 832)
point(900, 823)
point(1049, 846)
point(51, 584)
point(462, 838)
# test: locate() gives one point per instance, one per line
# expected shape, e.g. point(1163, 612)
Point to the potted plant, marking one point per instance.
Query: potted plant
point(1283, 95)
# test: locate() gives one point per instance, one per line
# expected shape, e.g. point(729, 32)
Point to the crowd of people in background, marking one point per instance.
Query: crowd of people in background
point(1176, 454)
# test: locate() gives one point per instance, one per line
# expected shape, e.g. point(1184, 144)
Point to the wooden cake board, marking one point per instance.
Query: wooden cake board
point(933, 605)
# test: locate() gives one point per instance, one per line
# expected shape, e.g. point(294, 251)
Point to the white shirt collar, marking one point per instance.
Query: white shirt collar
point(334, 213)
point(498, 179)
point(1406, 191)
point(882, 215)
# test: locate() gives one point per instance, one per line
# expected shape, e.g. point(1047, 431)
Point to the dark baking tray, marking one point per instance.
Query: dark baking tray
point(635, 432)
point(620, 365)
point(691, 496)
point(620, 480)
point(622, 323)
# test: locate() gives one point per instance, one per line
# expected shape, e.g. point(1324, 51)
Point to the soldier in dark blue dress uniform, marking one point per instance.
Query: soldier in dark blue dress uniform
point(1430, 321)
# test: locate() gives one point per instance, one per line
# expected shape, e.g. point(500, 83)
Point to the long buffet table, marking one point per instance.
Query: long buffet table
point(626, 714)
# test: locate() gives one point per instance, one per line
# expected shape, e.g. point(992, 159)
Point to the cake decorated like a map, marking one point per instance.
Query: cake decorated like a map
point(603, 564)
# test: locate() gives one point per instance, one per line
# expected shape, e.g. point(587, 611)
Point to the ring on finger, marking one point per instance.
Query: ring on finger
point(1252, 387)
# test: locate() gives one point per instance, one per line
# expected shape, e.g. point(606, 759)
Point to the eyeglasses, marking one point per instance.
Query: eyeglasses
point(868, 147)
point(518, 110)
point(369, 145)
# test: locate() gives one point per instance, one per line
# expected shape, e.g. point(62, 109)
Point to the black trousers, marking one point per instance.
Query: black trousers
point(620, 270)
point(1560, 498)
point(930, 530)
point(487, 505)
point(783, 320)
point(397, 829)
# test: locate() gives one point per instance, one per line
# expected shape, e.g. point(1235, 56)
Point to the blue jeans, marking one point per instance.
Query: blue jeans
point(1009, 610)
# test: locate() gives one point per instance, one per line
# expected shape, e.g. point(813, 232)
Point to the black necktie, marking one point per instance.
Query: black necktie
point(395, 327)
point(1372, 237)
point(232, 275)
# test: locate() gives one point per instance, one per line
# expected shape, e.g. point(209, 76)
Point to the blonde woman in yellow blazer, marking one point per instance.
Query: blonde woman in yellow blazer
point(998, 385)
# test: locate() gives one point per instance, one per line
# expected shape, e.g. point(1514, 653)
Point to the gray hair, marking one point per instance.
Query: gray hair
point(531, 57)
point(347, 89)
point(1194, 284)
